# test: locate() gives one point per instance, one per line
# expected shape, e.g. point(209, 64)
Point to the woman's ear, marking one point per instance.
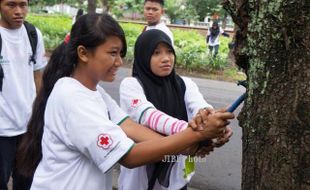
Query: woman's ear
point(82, 53)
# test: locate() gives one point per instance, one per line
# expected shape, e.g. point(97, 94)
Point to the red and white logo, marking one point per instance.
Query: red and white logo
point(104, 141)
point(135, 103)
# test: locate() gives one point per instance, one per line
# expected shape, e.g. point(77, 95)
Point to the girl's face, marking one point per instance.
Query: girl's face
point(162, 60)
point(105, 61)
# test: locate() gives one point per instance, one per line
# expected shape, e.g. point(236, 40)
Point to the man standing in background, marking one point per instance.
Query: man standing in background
point(153, 10)
point(20, 77)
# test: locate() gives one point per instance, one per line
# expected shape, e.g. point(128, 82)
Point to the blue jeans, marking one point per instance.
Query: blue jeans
point(8, 147)
point(216, 50)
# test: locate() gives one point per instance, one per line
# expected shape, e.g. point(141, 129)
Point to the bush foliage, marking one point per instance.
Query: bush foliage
point(191, 49)
point(53, 27)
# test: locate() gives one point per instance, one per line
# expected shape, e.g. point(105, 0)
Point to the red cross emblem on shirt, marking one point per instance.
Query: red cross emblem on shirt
point(135, 103)
point(104, 141)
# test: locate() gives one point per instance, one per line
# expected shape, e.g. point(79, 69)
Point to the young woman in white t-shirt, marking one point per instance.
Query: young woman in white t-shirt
point(77, 132)
point(160, 99)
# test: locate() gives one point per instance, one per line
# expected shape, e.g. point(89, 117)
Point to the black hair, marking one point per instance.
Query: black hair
point(215, 32)
point(79, 13)
point(161, 2)
point(90, 31)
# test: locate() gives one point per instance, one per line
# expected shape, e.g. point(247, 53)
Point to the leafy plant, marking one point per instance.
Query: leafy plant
point(190, 46)
point(132, 31)
point(53, 27)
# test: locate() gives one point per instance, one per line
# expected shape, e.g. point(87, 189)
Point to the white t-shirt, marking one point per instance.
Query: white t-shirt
point(216, 41)
point(18, 90)
point(162, 26)
point(80, 143)
point(134, 102)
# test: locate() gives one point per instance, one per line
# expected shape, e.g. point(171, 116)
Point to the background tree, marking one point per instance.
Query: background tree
point(108, 4)
point(273, 47)
point(172, 9)
point(188, 13)
point(105, 5)
point(119, 7)
point(91, 8)
point(80, 3)
point(204, 8)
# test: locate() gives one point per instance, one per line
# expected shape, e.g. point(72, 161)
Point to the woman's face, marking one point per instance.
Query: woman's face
point(105, 61)
point(162, 60)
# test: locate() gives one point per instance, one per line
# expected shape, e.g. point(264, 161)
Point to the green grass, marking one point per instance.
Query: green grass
point(53, 27)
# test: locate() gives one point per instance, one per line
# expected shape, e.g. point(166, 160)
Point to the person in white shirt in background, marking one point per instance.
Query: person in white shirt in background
point(161, 100)
point(77, 132)
point(20, 77)
point(213, 38)
point(153, 11)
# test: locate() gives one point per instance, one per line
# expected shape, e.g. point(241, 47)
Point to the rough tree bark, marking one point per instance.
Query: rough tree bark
point(273, 47)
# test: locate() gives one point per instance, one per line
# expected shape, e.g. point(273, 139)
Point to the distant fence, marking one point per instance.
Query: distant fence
point(201, 29)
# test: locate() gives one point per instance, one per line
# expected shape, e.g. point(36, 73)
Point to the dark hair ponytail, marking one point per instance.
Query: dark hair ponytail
point(29, 152)
point(90, 31)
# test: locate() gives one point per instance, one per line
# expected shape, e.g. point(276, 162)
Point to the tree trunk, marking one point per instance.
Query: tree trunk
point(91, 6)
point(273, 46)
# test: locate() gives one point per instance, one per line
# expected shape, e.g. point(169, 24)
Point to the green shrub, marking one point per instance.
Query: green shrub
point(191, 49)
point(53, 27)
point(132, 31)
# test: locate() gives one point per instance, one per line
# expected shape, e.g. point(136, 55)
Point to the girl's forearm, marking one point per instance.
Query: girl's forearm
point(155, 150)
point(138, 133)
point(162, 123)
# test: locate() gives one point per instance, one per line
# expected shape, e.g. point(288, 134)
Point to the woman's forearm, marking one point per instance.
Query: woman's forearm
point(155, 150)
point(162, 123)
point(138, 133)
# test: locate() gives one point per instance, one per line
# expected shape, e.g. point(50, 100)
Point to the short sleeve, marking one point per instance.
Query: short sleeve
point(132, 98)
point(95, 136)
point(115, 113)
point(193, 98)
point(41, 59)
point(221, 30)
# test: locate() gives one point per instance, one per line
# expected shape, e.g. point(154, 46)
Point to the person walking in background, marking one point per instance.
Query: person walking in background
point(153, 11)
point(77, 133)
point(156, 97)
point(213, 38)
point(20, 77)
